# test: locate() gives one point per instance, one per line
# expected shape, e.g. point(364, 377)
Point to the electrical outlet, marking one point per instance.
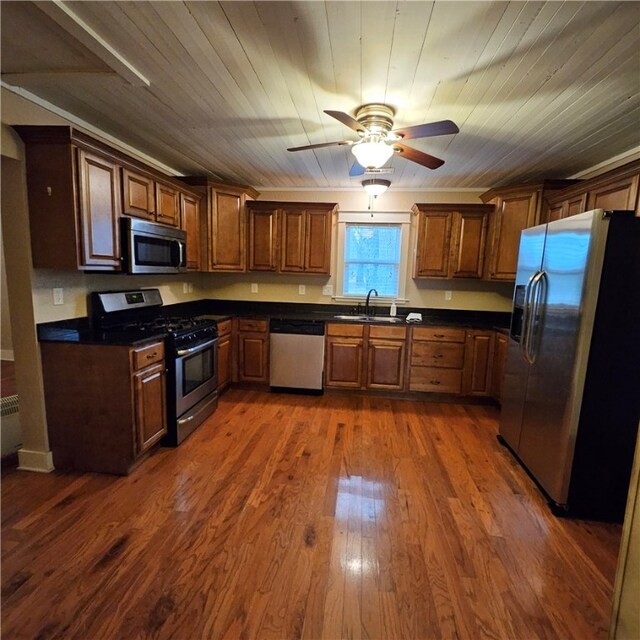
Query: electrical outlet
point(448, 295)
point(185, 287)
point(58, 295)
point(190, 288)
point(327, 290)
point(302, 289)
point(254, 287)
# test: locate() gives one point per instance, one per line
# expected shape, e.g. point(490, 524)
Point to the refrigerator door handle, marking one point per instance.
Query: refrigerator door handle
point(538, 288)
point(526, 317)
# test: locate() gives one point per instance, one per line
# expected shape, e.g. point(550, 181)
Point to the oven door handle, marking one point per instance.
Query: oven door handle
point(198, 347)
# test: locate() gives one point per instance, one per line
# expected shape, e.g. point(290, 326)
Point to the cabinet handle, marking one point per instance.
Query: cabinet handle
point(434, 381)
point(438, 335)
point(152, 355)
point(438, 356)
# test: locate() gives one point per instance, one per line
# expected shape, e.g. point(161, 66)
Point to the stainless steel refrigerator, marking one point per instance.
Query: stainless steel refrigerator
point(571, 388)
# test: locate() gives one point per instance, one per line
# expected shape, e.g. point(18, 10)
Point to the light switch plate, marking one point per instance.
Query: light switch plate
point(58, 295)
point(302, 289)
point(448, 295)
point(185, 287)
point(327, 290)
point(254, 287)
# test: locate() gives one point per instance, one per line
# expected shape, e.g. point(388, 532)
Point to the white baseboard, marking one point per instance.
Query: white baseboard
point(41, 461)
point(6, 354)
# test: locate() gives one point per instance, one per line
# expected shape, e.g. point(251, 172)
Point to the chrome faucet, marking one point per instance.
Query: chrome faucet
point(367, 308)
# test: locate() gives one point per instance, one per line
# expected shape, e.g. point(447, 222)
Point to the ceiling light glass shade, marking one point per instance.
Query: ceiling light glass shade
point(372, 154)
point(375, 187)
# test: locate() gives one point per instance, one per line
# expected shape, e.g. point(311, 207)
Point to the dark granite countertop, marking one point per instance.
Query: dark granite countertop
point(81, 330)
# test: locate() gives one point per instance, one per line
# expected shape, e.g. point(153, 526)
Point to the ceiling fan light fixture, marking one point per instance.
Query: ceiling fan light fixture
point(372, 153)
point(375, 186)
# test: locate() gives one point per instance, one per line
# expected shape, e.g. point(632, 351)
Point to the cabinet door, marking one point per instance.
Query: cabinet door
point(318, 242)
point(499, 358)
point(263, 234)
point(189, 206)
point(385, 364)
point(344, 362)
point(253, 357)
point(138, 195)
point(512, 215)
point(99, 200)
point(224, 361)
point(433, 244)
point(469, 239)
point(621, 194)
point(227, 242)
point(292, 241)
point(151, 406)
point(576, 204)
point(478, 363)
point(167, 204)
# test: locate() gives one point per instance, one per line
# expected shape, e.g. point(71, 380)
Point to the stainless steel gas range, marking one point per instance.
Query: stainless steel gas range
point(190, 352)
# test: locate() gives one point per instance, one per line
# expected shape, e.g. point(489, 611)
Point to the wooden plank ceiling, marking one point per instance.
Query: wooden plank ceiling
point(538, 89)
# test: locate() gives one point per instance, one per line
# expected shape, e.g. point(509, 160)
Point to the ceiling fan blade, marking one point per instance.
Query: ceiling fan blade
point(347, 120)
point(322, 144)
point(357, 169)
point(441, 128)
point(431, 162)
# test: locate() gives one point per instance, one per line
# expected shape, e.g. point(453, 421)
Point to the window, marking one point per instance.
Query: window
point(372, 254)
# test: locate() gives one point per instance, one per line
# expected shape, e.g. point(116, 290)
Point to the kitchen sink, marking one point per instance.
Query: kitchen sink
point(386, 319)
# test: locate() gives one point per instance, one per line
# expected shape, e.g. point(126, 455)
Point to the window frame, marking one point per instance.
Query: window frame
point(401, 218)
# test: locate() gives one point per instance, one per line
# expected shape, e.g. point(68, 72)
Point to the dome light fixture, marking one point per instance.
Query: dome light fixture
point(372, 152)
point(375, 187)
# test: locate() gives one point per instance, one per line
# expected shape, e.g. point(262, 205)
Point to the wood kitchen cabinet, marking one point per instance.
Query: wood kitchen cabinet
point(225, 354)
point(78, 189)
point(106, 404)
point(290, 237)
point(253, 350)
point(143, 196)
point(451, 240)
point(478, 362)
point(437, 359)
point(190, 212)
point(344, 358)
point(223, 223)
point(365, 356)
point(516, 208)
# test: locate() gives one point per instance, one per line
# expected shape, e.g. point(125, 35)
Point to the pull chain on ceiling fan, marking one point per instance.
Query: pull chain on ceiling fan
point(379, 141)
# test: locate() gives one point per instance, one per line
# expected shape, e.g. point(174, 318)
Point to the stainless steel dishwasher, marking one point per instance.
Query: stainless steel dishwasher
point(296, 355)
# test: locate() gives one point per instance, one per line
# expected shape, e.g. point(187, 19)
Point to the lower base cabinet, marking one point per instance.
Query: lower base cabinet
point(478, 363)
point(106, 404)
point(365, 356)
point(225, 354)
point(499, 359)
point(253, 350)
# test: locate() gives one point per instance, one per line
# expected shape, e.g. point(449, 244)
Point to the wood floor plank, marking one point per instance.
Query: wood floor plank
point(290, 516)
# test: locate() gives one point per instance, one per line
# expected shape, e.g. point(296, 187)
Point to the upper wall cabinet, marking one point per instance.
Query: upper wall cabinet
point(290, 237)
point(77, 190)
point(222, 223)
point(516, 208)
point(451, 240)
point(144, 197)
point(615, 189)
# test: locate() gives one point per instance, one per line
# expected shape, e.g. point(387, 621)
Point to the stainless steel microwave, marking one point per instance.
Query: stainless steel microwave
point(148, 247)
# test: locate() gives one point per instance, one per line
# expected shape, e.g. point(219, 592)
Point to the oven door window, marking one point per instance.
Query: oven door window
point(197, 369)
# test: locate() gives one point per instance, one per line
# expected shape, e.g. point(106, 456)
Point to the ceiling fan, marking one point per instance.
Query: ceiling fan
point(379, 141)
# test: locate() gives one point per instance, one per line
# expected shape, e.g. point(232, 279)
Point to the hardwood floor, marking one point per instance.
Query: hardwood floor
point(306, 517)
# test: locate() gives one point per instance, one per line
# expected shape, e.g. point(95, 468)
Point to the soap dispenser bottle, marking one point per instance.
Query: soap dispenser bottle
point(392, 310)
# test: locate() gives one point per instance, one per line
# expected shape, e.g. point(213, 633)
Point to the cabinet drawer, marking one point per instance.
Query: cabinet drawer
point(446, 334)
point(449, 355)
point(435, 380)
point(224, 327)
point(147, 355)
point(395, 333)
point(346, 330)
point(246, 324)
